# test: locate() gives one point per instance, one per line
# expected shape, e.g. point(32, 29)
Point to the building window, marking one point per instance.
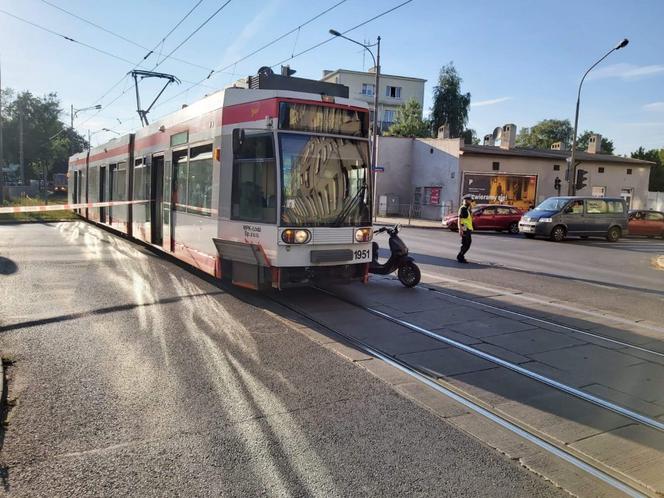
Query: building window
point(556, 167)
point(629, 171)
point(393, 91)
point(368, 89)
point(600, 169)
point(496, 166)
point(388, 116)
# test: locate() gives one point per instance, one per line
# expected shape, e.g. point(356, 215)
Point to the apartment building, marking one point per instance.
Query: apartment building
point(394, 91)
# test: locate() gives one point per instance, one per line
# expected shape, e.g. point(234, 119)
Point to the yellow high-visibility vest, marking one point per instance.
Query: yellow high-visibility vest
point(467, 222)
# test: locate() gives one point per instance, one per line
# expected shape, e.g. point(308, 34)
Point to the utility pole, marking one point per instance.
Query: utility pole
point(20, 143)
point(2, 145)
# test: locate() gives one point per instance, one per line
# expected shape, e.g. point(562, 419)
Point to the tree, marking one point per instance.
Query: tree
point(584, 138)
point(656, 183)
point(409, 122)
point(47, 141)
point(545, 133)
point(450, 106)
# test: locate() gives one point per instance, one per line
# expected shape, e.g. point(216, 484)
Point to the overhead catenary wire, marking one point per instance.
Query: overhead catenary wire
point(124, 38)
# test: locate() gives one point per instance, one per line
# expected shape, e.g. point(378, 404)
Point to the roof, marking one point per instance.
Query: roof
point(494, 150)
point(382, 75)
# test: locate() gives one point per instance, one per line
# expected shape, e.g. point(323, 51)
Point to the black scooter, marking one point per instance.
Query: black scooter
point(407, 271)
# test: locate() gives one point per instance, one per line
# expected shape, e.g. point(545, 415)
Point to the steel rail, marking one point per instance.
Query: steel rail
point(608, 405)
point(501, 421)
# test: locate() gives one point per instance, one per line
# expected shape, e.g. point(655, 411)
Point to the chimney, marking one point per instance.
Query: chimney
point(326, 72)
point(595, 144)
point(508, 136)
point(444, 131)
point(558, 146)
point(489, 140)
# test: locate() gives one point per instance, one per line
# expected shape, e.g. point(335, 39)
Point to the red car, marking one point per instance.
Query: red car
point(496, 217)
point(648, 223)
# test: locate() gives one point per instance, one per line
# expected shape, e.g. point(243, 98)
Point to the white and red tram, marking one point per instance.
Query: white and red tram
point(268, 185)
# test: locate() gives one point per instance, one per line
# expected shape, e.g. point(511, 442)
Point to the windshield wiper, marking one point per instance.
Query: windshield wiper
point(345, 211)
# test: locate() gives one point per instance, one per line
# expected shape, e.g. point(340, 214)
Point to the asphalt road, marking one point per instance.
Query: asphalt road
point(132, 376)
point(620, 277)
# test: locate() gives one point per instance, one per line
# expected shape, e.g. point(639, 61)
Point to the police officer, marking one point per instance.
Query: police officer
point(465, 227)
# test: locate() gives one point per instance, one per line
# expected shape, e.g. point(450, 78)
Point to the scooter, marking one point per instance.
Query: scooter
point(407, 271)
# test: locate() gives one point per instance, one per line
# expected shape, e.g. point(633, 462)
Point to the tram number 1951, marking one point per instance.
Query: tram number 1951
point(361, 254)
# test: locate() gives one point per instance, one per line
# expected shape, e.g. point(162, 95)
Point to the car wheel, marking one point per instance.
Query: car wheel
point(513, 228)
point(558, 233)
point(529, 235)
point(613, 234)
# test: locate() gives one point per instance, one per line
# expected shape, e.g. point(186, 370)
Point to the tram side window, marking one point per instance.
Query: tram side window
point(120, 187)
point(180, 180)
point(199, 180)
point(142, 186)
point(254, 196)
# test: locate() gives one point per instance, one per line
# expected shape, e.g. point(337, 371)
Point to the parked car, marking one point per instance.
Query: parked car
point(558, 217)
point(645, 222)
point(496, 217)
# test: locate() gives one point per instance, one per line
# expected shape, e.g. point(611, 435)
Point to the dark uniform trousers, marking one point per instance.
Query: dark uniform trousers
point(466, 241)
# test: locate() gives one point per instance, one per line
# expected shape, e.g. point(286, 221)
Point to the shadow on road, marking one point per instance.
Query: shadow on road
point(7, 266)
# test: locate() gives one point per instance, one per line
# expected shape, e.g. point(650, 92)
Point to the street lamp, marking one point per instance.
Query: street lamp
point(374, 132)
point(571, 168)
point(74, 112)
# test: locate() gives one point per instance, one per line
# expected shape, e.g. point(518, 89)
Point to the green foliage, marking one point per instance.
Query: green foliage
point(584, 138)
point(450, 106)
point(47, 141)
point(656, 183)
point(409, 122)
point(545, 133)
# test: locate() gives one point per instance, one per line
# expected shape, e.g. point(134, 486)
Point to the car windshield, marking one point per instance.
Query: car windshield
point(552, 204)
point(324, 181)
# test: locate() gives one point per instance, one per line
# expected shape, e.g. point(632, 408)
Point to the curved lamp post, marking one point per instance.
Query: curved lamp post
point(374, 132)
point(572, 166)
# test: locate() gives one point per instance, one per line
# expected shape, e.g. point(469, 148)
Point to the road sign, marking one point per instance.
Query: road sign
point(378, 169)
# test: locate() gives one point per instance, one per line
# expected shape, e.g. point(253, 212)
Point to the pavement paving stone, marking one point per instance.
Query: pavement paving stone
point(562, 416)
point(444, 362)
point(443, 406)
point(502, 353)
point(404, 343)
point(486, 325)
point(588, 360)
point(499, 385)
point(640, 454)
point(527, 342)
point(625, 399)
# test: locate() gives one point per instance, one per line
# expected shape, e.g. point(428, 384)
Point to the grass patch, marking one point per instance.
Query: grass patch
point(44, 216)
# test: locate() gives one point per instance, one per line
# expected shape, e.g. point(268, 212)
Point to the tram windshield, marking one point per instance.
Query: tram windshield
point(324, 181)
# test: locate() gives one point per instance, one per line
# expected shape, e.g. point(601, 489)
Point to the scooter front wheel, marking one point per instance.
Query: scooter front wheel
point(409, 274)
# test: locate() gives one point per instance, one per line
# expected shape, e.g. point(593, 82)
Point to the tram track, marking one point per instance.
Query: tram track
point(597, 469)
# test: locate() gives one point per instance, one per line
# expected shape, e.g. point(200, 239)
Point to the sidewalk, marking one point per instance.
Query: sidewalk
point(414, 222)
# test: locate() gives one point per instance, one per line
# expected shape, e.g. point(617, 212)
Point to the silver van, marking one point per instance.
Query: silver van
point(559, 217)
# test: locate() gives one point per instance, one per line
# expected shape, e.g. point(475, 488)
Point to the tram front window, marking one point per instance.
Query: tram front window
point(324, 181)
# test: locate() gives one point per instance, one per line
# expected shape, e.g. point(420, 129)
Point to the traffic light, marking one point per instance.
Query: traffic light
point(581, 179)
point(557, 185)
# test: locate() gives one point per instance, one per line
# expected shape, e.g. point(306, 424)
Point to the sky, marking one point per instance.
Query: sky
point(520, 60)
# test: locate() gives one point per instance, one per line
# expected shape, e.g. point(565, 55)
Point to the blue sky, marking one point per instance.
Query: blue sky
point(521, 60)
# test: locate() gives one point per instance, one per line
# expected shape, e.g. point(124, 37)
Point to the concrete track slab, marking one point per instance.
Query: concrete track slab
point(444, 362)
point(531, 341)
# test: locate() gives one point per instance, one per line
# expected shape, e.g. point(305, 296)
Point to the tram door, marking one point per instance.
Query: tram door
point(157, 197)
point(112, 187)
point(102, 193)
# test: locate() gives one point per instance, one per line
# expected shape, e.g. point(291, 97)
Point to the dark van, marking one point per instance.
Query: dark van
point(558, 217)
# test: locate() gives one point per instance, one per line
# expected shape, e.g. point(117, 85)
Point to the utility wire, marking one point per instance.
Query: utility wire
point(212, 16)
point(279, 38)
point(68, 38)
point(149, 51)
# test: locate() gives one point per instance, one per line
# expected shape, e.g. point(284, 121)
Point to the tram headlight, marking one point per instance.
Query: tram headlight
point(363, 234)
point(291, 236)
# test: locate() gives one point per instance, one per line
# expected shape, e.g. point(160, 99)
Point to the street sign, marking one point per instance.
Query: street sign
point(378, 169)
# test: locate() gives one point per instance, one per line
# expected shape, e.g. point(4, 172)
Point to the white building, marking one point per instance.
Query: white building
point(394, 91)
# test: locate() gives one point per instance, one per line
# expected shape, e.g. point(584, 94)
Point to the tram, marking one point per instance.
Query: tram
point(267, 184)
